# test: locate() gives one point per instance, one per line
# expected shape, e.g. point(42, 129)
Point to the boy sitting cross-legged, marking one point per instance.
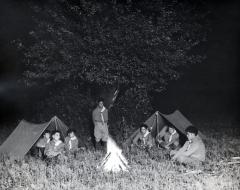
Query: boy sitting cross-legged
point(144, 138)
point(193, 151)
point(55, 147)
point(168, 138)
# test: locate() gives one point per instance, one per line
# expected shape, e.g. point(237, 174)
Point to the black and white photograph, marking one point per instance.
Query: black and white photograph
point(119, 94)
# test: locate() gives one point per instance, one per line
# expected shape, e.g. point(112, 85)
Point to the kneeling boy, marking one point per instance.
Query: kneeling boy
point(71, 141)
point(168, 138)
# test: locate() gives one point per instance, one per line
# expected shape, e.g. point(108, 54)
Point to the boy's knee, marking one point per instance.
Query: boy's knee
point(181, 159)
point(105, 137)
point(97, 139)
point(97, 136)
point(172, 152)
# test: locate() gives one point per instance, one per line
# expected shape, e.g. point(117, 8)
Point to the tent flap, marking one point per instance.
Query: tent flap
point(22, 139)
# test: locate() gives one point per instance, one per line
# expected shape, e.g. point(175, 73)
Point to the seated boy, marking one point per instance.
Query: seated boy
point(55, 147)
point(71, 141)
point(144, 138)
point(168, 138)
point(193, 151)
point(42, 143)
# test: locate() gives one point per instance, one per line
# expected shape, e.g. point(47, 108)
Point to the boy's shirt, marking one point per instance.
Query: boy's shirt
point(171, 138)
point(54, 148)
point(145, 140)
point(42, 143)
point(71, 144)
point(194, 149)
point(100, 115)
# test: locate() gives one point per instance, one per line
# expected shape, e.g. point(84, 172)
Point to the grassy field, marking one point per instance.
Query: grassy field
point(148, 170)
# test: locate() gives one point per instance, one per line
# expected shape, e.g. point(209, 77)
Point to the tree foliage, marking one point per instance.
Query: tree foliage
point(90, 42)
point(106, 43)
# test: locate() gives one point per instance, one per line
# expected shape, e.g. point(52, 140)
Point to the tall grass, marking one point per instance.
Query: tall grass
point(148, 170)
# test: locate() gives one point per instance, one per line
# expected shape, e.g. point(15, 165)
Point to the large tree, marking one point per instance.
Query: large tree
point(139, 46)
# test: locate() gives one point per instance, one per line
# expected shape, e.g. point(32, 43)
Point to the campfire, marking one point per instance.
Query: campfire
point(114, 160)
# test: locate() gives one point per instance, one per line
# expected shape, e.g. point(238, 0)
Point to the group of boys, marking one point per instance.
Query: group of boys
point(192, 152)
point(51, 145)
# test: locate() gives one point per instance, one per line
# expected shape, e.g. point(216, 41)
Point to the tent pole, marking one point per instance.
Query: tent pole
point(55, 120)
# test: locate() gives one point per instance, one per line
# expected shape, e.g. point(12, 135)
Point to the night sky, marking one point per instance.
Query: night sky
point(211, 87)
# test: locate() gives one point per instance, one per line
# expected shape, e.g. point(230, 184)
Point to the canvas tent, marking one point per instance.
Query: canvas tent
point(26, 135)
point(158, 120)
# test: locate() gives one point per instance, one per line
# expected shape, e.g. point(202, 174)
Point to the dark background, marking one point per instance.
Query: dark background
point(210, 88)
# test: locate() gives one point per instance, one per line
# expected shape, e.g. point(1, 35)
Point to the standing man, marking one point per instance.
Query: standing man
point(100, 120)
